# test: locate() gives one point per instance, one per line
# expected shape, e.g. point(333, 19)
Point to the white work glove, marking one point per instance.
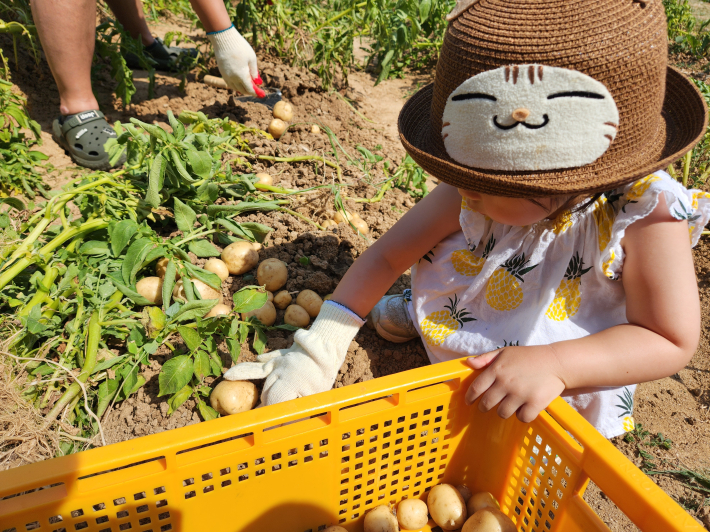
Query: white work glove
point(311, 364)
point(236, 61)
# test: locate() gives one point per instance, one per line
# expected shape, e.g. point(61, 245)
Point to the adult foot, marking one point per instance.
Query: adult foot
point(166, 57)
point(83, 136)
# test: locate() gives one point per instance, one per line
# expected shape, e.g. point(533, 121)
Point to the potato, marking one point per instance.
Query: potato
point(218, 267)
point(218, 310)
point(240, 257)
point(328, 223)
point(297, 316)
point(270, 296)
point(264, 179)
point(161, 266)
point(465, 493)
point(339, 217)
point(266, 314)
point(272, 273)
point(151, 288)
point(412, 514)
point(282, 299)
point(489, 520)
point(277, 128)
point(315, 129)
point(310, 301)
point(480, 501)
point(380, 519)
point(335, 528)
point(232, 397)
point(283, 110)
point(447, 507)
point(361, 225)
point(205, 291)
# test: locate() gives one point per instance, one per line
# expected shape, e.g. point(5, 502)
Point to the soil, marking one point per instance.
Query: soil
point(678, 406)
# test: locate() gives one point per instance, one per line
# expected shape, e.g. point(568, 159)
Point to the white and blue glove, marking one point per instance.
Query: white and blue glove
point(236, 61)
point(311, 364)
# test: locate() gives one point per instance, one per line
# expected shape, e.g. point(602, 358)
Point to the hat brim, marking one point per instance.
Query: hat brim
point(684, 123)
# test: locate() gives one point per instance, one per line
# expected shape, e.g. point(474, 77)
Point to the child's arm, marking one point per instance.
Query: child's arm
point(311, 364)
point(423, 227)
point(663, 310)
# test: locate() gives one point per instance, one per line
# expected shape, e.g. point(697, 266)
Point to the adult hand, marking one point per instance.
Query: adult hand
point(311, 364)
point(236, 61)
point(520, 380)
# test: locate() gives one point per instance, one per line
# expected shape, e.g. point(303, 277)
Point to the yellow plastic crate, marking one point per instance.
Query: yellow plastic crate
point(328, 458)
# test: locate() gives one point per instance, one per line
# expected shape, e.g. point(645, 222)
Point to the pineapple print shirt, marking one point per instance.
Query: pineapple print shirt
point(493, 285)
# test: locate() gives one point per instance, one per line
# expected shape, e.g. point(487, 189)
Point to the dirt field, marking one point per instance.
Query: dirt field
point(678, 407)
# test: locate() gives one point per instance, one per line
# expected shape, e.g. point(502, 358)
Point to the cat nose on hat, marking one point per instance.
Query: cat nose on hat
point(519, 115)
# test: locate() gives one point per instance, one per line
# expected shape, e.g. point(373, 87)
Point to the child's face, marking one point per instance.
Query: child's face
point(508, 211)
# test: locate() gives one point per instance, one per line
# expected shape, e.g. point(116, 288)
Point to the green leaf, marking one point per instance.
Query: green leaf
point(107, 390)
point(260, 231)
point(209, 278)
point(194, 309)
point(207, 192)
point(235, 228)
point(154, 131)
point(234, 348)
point(169, 283)
point(243, 206)
point(216, 364)
point(120, 233)
point(32, 322)
point(155, 181)
point(128, 291)
point(203, 248)
point(94, 248)
point(157, 318)
point(185, 217)
point(134, 258)
point(260, 340)
point(13, 202)
point(249, 298)
point(200, 162)
point(202, 365)
point(179, 398)
point(178, 128)
point(180, 166)
point(424, 10)
point(207, 412)
point(175, 374)
point(105, 364)
point(191, 337)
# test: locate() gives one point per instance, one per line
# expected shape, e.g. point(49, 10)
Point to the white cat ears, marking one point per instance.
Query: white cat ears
point(461, 6)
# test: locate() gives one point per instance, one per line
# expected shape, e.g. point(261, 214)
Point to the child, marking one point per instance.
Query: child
point(554, 252)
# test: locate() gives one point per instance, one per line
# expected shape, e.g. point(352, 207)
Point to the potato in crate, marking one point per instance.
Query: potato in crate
point(327, 459)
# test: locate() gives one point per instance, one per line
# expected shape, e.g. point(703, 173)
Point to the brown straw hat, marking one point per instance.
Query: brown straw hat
point(617, 46)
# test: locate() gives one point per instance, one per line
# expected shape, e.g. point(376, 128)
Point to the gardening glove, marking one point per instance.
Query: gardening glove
point(236, 61)
point(311, 364)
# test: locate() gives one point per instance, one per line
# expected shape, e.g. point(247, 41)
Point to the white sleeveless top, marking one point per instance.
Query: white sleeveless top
point(492, 285)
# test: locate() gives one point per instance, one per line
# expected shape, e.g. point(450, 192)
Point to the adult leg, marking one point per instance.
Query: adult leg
point(66, 30)
point(131, 16)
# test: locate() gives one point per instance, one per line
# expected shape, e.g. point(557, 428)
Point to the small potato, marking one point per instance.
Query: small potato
point(335, 528)
point(489, 520)
point(277, 128)
point(232, 397)
point(480, 501)
point(265, 314)
point(270, 296)
point(328, 223)
point(447, 507)
point(151, 288)
point(315, 129)
point(310, 301)
point(240, 257)
point(218, 310)
point(283, 110)
point(412, 514)
point(361, 225)
point(218, 267)
point(297, 316)
point(264, 179)
point(256, 246)
point(282, 299)
point(339, 217)
point(380, 519)
point(465, 493)
point(161, 266)
point(272, 273)
point(205, 291)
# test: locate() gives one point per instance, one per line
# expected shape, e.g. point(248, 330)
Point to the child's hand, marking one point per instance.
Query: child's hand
point(522, 380)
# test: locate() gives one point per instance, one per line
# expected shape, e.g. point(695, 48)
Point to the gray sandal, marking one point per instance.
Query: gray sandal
point(83, 136)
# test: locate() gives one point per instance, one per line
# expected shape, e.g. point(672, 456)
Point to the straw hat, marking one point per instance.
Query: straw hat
point(534, 98)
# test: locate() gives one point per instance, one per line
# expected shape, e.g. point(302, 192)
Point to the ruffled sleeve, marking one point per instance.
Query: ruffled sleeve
point(617, 210)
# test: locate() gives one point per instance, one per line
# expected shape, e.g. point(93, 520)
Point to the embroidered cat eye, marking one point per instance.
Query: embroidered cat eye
point(576, 94)
point(474, 96)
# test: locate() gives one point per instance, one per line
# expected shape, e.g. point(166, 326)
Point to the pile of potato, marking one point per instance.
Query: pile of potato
point(348, 217)
point(451, 508)
point(283, 114)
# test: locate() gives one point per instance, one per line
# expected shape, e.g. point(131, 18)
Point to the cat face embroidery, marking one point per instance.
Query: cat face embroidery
point(529, 117)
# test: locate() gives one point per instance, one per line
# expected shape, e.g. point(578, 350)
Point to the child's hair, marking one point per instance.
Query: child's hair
point(574, 204)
